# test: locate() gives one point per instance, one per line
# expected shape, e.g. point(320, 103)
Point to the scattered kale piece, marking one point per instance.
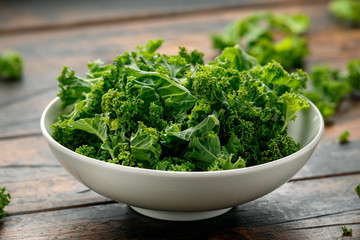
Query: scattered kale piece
point(344, 137)
point(176, 113)
point(347, 11)
point(328, 87)
point(346, 232)
point(4, 201)
point(11, 66)
point(268, 37)
point(353, 68)
point(357, 190)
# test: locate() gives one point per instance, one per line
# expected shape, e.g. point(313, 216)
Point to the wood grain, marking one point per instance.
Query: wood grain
point(23, 16)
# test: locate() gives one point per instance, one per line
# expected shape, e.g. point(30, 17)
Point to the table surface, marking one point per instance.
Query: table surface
point(48, 203)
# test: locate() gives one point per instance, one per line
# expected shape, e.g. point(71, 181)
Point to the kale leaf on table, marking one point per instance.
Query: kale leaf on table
point(4, 201)
point(268, 37)
point(11, 66)
point(329, 86)
point(176, 113)
point(347, 11)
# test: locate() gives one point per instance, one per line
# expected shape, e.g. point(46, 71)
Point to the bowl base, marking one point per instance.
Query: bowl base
point(180, 216)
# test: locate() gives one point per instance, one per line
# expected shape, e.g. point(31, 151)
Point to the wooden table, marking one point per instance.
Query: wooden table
point(48, 203)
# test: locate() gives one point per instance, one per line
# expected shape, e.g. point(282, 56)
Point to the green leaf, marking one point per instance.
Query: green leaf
point(224, 162)
point(291, 104)
point(72, 88)
point(236, 58)
point(204, 126)
point(4, 201)
point(95, 125)
point(175, 96)
point(357, 190)
point(344, 137)
point(204, 150)
point(346, 10)
point(144, 144)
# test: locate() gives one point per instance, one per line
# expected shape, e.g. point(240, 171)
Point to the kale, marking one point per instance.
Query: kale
point(329, 87)
point(357, 190)
point(4, 201)
point(268, 37)
point(347, 11)
point(346, 232)
point(344, 137)
point(176, 113)
point(11, 66)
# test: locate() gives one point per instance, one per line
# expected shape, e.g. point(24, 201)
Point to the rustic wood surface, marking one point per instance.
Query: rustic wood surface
point(48, 203)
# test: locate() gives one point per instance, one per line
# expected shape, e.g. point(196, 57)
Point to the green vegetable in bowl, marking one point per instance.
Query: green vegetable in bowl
point(176, 113)
point(268, 37)
point(346, 10)
point(11, 66)
point(4, 201)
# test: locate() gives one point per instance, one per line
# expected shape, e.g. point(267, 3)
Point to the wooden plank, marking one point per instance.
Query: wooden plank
point(315, 209)
point(42, 15)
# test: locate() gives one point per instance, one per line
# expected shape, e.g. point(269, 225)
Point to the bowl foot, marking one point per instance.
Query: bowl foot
point(179, 216)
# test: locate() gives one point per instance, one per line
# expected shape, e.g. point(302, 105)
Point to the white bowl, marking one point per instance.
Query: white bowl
point(184, 196)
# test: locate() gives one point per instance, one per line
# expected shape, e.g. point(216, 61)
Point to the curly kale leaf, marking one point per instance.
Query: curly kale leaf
point(11, 66)
point(258, 35)
point(224, 162)
point(329, 86)
point(346, 10)
point(204, 126)
point(290, 105)
point(72, 88)
point(236, 58)
point(354, 74)
point(144, 144)
point(176, 98)
point(4, 201)
point(174, 164)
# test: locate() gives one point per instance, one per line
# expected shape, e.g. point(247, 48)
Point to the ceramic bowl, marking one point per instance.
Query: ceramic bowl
point(185, 196)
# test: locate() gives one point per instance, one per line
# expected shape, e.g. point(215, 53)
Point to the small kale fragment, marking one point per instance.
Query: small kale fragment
point(357, 190)
point(346, 232)
point(344, 137)
point(353, 68)
point(4, 201)
point(11, 66)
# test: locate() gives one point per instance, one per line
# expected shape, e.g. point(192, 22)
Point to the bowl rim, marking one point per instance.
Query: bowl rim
point(312, 144)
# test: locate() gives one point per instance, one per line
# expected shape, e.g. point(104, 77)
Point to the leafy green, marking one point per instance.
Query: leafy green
point(346, 10)
point(268, 37)
point(344, 137)
point(357, 190)
point(4, 201)
point(353, 68)
point(11, 66)
point(329, 86)
point(175, 113)
point(346, 231)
